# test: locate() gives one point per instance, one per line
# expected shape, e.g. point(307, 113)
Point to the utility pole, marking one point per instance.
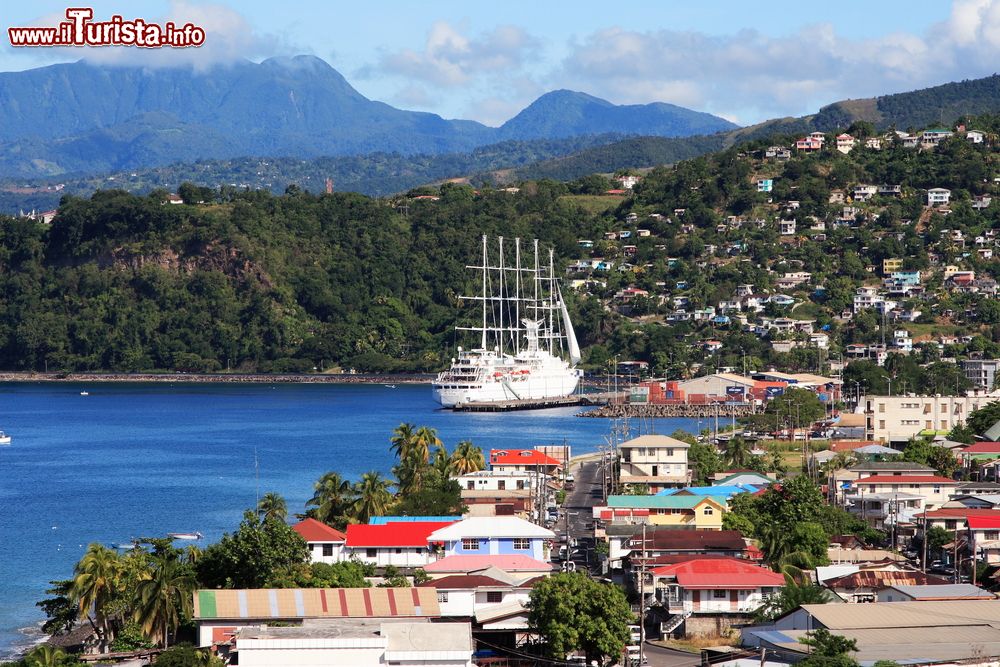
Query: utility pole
point(923, 561)
point(642, 599)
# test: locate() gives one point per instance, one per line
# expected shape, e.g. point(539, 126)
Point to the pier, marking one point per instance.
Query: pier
point(508, 405)
point(640, 410)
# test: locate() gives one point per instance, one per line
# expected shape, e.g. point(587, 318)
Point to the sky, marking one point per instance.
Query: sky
point(741, 60)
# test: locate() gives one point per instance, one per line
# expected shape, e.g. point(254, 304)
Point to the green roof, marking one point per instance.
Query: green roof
point(725, 480)
point(662, 502)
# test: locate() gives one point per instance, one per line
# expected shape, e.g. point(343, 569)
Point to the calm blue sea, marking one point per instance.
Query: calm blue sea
point(147, 459)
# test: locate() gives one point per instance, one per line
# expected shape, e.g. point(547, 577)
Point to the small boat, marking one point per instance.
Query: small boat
point(389, 386)
point(185, 536)
point(85, 393)
point(5, 439)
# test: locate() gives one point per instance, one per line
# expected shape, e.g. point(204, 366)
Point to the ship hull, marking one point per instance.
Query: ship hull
point(550, 385)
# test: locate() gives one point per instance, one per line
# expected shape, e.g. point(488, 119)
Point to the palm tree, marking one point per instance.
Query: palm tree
point(401, 440)
point(410, 474)
point(45, 655)
point(467, 458)
point(272, 506)
point(737, 453)
point(374, 497)
point(97, 578)
point(424, 440)
point(332, 495)
point(442, 462)
point(192, 554)
point(164, 597)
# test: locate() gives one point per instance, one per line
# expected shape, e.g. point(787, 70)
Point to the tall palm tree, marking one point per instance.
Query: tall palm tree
point(424, 440)
point(272, 506)
point(467, 458)
point(737, 452)
point(332, 496)
point(163, 598)
point(410, 473)
point(97, 578)
point(374, 497)
point(401, 440)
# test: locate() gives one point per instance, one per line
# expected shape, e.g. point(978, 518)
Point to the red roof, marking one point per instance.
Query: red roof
point(982, 448)
point(521, 457)
point(905, 479)
point(981, 522)
point(720, 573)
point(312, 530)
point(959, 512)
point(392, 534)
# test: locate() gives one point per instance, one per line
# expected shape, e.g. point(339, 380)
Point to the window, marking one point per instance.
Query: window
point(501, 485)
point(881, 424)
point(937, 489)
point(520, 484)
point(371, 553)
point(708, 511)
point(676, 511)
point(398, 550)
point(442, 596)
point(494, 596)
point(950, 524)
point(469, 485)
point(670, 452)
point(719, 594)
point(470, 544)
point(327, 549)
point(522, 543)
point(655, 471)
point(881, 407)
point(992, 535)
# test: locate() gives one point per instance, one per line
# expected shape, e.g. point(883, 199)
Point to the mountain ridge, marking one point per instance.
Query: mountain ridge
point(296, 106)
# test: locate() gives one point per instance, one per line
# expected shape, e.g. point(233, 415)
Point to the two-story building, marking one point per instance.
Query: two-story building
point(492, 600)
point(492, 536)
point(523, 460)
point(707, 596)
point(655, 462)
point(679, 511)
point(933, 489)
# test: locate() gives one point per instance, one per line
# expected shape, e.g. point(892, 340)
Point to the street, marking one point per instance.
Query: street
point(578, 520)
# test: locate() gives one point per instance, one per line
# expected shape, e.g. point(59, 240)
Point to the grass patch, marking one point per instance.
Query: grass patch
point(593, 204)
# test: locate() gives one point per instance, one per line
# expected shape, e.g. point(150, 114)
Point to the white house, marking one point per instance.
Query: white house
point(938, 196)
point(655, 461)
point(397, 544)
point(325, 544)
point(491, 594)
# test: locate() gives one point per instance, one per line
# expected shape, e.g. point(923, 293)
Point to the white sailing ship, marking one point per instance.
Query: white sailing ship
point(527, 347)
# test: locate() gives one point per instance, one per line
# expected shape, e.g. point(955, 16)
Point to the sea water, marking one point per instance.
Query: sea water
point(133, 460)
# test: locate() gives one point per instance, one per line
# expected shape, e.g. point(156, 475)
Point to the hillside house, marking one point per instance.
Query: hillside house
point(938, 197)
point(765, 185)
point(845, 143)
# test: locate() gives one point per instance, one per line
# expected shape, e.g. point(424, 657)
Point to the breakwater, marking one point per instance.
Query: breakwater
point(641, 410)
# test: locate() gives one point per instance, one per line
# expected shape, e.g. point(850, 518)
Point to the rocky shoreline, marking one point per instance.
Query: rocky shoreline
point(225, 378)
point(640, 410)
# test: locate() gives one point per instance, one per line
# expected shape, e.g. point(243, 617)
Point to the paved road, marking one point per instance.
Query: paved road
point(657, 656)
point(577, 520)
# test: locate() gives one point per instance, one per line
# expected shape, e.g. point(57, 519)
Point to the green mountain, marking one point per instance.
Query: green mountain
point(86, 119)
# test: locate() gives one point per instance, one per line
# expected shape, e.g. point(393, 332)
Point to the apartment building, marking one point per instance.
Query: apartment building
point(981, 372)
point(655, 461)
point(899, 418)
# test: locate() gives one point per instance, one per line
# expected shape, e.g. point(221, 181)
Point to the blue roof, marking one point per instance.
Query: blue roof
point(382, 520)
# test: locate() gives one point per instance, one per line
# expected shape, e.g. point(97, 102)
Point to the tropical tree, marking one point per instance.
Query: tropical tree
point(272, 506)
point(467, 458)
point(737, 452)
point(573, 612)
point(96, 581)
point(793, 595)
point(410, 474)
point(332, 496)
point(164, 598)
point(373, 497)
point(401, 440)
point(257, 554)
point(46, 655)
point(424, 440)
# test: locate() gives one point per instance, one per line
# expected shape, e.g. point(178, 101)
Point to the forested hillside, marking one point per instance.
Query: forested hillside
point(255, 281)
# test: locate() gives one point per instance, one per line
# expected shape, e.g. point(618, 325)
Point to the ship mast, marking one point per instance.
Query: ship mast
point(501, 281)
point(485, 263)
point(517, 295)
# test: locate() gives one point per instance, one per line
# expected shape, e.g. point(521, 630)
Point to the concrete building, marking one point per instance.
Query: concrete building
point(982, 373)
point(497, 535)
point(700, 512)
point(325, 543)
point(899, 418)
point(654, 461)
point(396, 544)
point(356, 642)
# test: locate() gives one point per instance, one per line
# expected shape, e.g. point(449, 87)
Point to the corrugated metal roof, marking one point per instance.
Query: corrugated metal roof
point(391, 534)
point(882, 579)
point(928, 614)
point(701, 573)
point(292, 603)
point(312, 530)
point(945, 591)
point(651, 440)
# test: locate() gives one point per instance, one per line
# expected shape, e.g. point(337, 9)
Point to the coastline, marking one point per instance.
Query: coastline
point(225, 378)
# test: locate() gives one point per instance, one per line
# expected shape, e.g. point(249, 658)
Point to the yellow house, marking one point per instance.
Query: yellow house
point(891, 265)
point(681, 511)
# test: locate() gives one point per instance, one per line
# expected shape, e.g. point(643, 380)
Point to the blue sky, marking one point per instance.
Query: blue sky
point(485, 61)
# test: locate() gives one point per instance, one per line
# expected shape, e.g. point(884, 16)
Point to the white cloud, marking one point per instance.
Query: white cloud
point(451, 59)
point(228, 37)
point(756, 76)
